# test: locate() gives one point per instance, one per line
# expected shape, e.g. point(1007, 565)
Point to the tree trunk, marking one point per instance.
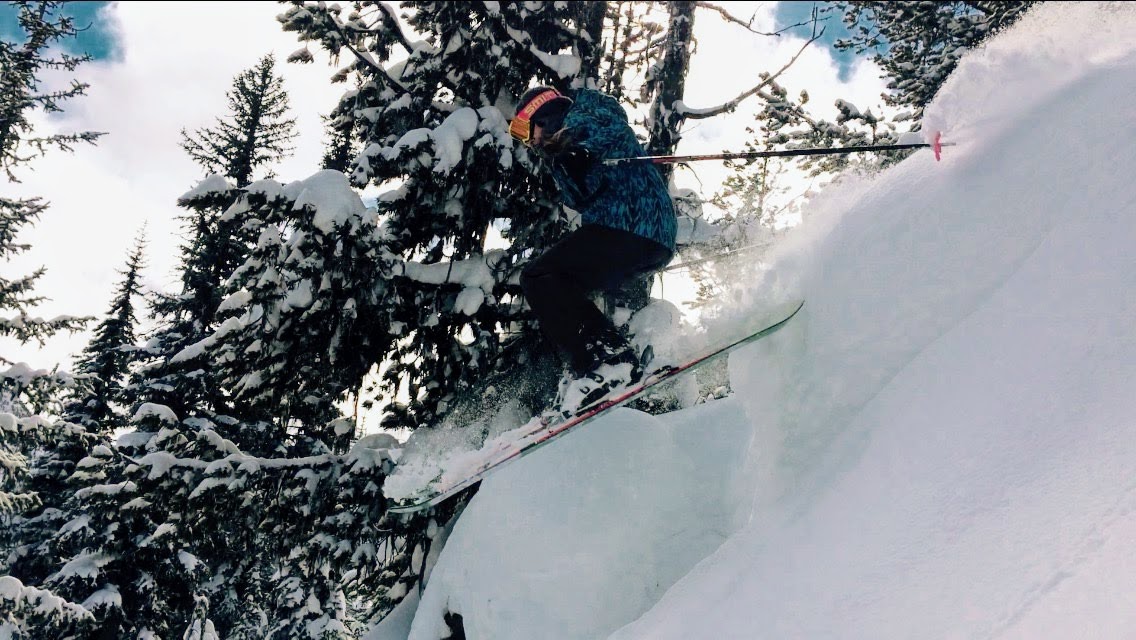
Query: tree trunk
point(592, 16)
point(664, 123)
point(670, 80)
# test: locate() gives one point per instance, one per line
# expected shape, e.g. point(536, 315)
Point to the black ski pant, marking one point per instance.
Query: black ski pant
point(559, 284)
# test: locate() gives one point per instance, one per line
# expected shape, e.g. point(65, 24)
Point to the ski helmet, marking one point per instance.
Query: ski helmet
point(543, 106)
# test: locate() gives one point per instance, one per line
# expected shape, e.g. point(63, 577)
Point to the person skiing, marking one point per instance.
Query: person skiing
point(627, 232)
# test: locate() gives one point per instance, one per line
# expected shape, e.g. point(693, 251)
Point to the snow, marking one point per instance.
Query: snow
point(22, 373)
point(940, 445)
point(43, 602)
point(301, 295)
point(334, 203)
point(236, 300)
point(564, 66)
point(159, 411)
point(211, 185)
point(450, 136)
point(108, 596)
point(83, 566)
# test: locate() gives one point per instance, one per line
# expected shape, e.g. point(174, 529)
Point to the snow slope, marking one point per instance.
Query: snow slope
point(942, 444)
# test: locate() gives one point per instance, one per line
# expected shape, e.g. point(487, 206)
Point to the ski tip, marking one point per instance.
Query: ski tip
point(937, 146)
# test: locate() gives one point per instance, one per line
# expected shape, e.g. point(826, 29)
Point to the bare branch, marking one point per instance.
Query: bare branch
point(697, 114)
point(747, 25)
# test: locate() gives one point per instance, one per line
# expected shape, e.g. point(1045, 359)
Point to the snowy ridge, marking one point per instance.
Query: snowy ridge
point(940, 445)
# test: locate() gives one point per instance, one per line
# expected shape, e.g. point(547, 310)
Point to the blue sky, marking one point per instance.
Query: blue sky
point(788, 13)
point(95, 38)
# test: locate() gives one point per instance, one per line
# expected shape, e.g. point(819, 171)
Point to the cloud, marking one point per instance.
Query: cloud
point(728, 61)
point(178, 59)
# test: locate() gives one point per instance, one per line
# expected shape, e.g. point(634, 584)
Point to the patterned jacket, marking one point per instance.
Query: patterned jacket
point(632, 196)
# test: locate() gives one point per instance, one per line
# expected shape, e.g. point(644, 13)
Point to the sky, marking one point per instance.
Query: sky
point(95, 37)
point(164, 67)
point(940, 445)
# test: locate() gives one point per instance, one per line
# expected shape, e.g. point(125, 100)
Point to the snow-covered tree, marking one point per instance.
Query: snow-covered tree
point(255, 134)
point(429, 114)
point(918, 44)
point(33, 549)
point(141, 549)
point(17, 294)
point(35, 516)
point(36, 455)
point(132, 547)
point(104, 364)
point(305, 319)
point(42, 27)
point(212, 249)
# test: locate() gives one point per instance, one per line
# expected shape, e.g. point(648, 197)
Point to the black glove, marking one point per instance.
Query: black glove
point(576, 162)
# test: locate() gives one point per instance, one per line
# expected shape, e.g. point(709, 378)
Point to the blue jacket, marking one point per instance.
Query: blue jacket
point(631, 196)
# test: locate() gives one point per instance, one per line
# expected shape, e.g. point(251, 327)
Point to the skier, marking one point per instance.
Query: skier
point(627, 232)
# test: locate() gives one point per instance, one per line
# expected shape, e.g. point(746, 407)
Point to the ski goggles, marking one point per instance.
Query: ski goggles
point(521, 126)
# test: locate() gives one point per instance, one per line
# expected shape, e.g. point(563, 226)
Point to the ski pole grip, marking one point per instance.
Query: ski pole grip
point(937, 147)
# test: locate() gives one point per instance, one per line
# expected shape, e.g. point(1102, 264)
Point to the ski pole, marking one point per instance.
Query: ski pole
point(937, 146)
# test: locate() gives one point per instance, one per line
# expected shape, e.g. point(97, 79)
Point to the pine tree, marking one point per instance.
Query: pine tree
point(36, 455)
point(157, 541)
point(16, 295)
point(39, 516)
point(213, 247)
point(256, 132)
point(92, 418)
point(43, 27)
point(435, 125)
point(305, 318)
point(132, 550)
point(918, 44)
point(105, 362)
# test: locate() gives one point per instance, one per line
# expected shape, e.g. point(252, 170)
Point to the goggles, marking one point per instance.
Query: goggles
point(521, 126)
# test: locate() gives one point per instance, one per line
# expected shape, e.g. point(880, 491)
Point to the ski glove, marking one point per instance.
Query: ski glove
point(576, 162)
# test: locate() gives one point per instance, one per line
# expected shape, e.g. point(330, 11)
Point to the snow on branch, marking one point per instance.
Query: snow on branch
point(365, 58)
point(16, 598)
point(474, 275)
point(448, 140)
point(368, 452)
point(391, 20)
point(562, 66)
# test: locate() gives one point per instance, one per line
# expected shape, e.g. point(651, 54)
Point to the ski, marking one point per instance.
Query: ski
point(538, 433)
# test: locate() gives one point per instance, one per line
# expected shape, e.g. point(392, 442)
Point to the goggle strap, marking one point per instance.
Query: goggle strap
point(521, 126)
